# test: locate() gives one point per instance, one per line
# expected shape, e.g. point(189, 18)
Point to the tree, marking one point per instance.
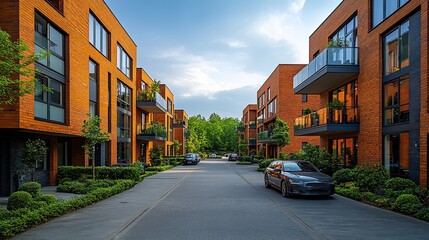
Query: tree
point(155, 154)
point(93, 135)
point(34, 153)
point(176, 146)
point(15, 64)
point(280, 134)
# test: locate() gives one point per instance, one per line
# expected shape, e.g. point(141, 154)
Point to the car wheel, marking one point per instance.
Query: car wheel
point(267, 183)
point(285, 189)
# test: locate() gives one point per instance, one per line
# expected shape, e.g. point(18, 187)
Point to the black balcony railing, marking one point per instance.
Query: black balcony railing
point(326, 116)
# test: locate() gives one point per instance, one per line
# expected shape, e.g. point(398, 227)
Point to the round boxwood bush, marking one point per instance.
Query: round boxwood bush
point(47, 198)
point(370, 177)
point(343, 176)
point(265, 163)
point(36, 204)
point(31, 187)
point(407, 204)
point(19, 199)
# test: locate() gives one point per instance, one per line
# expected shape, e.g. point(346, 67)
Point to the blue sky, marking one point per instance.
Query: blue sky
point(215, 54)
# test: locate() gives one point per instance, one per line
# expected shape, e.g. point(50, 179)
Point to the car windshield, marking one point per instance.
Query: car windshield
point(299, 167)
point(189, 155)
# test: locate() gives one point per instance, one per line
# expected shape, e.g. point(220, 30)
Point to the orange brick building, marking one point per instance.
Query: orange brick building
point(90, 68)
point(249, 128)
point(180, 125)
point(276, 99)
point(166, 119)
point(370, 56)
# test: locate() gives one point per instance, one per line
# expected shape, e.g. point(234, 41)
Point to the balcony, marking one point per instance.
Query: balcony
point(155, 131)
point(179, 124)
point(149, 104)
point(239, 128)
point(327, 121)
point(252, 142)
point(252, 124)
point(260, 119)
point(330, 68)
point(265, 137)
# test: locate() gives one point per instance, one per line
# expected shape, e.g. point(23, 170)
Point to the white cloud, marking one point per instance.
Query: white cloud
point(198, 76)
point(296, 5)
point(236, 44)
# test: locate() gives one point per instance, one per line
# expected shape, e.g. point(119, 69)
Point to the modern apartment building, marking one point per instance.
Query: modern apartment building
point(249, 128)
point(148, 130)
point(369, 60)
point(90, 69)
point(166, 119)
point(180, 126)
point(276, 98)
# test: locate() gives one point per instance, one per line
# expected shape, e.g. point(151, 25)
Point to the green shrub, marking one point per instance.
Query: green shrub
point(407, 204)
point(368, 197)
point(243, 163)
point(400, 184)
point(265, 163)
point(352, 192)
point(19, 199)
point(159, 168)
point(112, 173)
point(423, 214)
point(343, 176)
point(47, 198)
point(85, 186)
point(63, 180)
point(370, 177)
point(32, 188)
point(383, 202)
point(37, 204)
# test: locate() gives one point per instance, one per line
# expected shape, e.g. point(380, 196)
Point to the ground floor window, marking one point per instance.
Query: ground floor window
point(124, 152)
point(395, 152)
point(346, 149)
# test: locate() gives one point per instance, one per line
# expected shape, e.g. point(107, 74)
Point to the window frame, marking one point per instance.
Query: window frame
point(93, 20)
point(399, 5)
point(48, 99)
point(398, 105)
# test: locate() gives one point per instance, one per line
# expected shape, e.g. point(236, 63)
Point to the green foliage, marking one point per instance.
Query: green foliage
point(176, 145)
point(407, 204)
point(265, 163)
point(370, 177)
point(296, 156)
point(368, 197)
point(112, 173)
point(383, 202)
point(159, 168)
point(149, 94)
point(93, 134)
point(85, 186)
point(400, 184)
point(321, 158)
point(155, 153)
point(243, 163)
point(155, 129)
point(280, 133)
point(17, 221)
point(47, 198)
point(343, 176)
point(15, 63)
point(336, 104)
point(19, 199)
point(350, 192)
point(306, 111)
point(338, 42)
point(34, 152)
point(32, 188)
point(423, 214)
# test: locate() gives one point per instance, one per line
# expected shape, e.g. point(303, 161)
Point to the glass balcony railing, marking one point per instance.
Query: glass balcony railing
point(155, 129)
point(252, 124)
point(326, 116)
point(147, 103)
point(161, 100)
point(264, 136)
point(260, 120)
point(252, 141)
point(336, 56)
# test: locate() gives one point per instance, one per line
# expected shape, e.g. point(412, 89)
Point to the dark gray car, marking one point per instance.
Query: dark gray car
point(191, 158)
point(298, 178)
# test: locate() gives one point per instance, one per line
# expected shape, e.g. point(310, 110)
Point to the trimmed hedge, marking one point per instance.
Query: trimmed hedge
point(32, 188)
point(19, 199)
point(113, 173)
point(17, 221)
point(159, 168)
point(407, 204)
point(343, 175)
point(84, 186)
point(243, 163)
point(265, 163)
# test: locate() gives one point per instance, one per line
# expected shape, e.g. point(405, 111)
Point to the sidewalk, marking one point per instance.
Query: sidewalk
point(45, 190)
point(106, 219)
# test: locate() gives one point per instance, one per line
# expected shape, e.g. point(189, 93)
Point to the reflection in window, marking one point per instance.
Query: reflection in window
point(123, 61)
point(396, 148)
point(396, 104)
point(346, 149)
point(98, 36)
point(93, 68)
point(396, 49)
point(49, 106)
point(381, 9)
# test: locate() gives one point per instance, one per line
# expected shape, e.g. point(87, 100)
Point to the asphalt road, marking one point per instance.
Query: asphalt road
point(221, 200)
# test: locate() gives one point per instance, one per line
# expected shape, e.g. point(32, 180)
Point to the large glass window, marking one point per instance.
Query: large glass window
point(169, 106)
point(49, 106)
point(396, 104)
point(347, 34)
point(272, 108)
point(93, 80)
point(49, 39)
point(124, 152)
point(98, 36)
point(382, 9)
point(346, 149)
point(396, 148)
point(124, 122)
point(396, 49)
point(123, 61)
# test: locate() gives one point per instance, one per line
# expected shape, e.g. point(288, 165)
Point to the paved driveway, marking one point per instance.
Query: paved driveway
point(220, 200)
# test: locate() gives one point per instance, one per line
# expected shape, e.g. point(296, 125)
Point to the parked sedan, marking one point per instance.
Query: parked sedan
point(191, 158)
point(233, 157)
point(298, 178)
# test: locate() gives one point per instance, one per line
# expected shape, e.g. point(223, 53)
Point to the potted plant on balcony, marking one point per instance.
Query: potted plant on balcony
point(150, 94)
point(338, 107)
point(334, 49)
point(306, 111)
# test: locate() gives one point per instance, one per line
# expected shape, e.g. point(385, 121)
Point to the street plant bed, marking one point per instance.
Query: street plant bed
point(113, 173)
point(243, 163)
point(370, 184)
point(159, 168)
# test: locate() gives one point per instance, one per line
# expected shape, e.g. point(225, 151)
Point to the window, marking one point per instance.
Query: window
point(396, 149)
point(143, 122)
point(124, 122)
point(109, 103)
point(169, 106)
point(123, 61)
point(382, 9)
point(347, 34)
point(58, 4)
point(93, 80)
point(396, 103)
point(268, 94)
point(396, 49)
point(142, 85)
point(98, 36)
point(272, 108)
point(304, 97)
point(346, 149)
point(51, 40)
point(49, 106)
